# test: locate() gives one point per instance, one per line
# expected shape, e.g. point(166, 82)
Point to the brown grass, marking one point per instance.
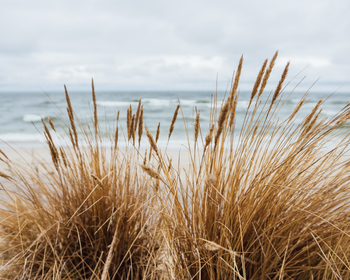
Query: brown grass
point(84, 217)
point(272, 206)
point(266, 210)
point(172, 125)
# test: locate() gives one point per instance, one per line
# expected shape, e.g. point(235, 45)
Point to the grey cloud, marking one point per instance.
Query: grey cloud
point(147, 43)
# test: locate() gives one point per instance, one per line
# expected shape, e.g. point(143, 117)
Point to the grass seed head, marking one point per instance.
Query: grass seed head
point(171, 129)
point(145, 158)
point(133, 129)
point(3, 175)
point(138, 111)
point(209, 137)
point(268, 73)
point(140, 125)
point(221, 122)
point(236, 81)
point(95, 107)
point(51, 124)
point(97, 181)
point(196, 127)
point(280, 83)
point(211, 179)
point(152, 173)
point(257, 82)
point(158, 132)
point(151, 141)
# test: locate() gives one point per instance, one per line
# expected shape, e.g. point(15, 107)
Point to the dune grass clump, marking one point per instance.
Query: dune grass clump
point(269, 200)
point(85, 216)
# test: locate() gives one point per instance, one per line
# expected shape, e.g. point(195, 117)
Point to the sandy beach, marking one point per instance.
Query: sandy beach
point(36, 158)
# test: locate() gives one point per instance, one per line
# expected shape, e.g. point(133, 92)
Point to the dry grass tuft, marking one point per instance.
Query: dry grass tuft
point(271, 205)
point(84, 217)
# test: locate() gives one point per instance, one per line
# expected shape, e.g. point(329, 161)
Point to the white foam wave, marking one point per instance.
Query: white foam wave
point(188, 102)
point(243, 104)
point(331, 113)
point(157, 102)
point(295, 100)
point(168, 102)
point(31, 118)
point(114, 103)
point(22, 137)
point(148, 101)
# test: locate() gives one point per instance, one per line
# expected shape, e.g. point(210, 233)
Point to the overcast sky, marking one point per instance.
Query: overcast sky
point(170, 45)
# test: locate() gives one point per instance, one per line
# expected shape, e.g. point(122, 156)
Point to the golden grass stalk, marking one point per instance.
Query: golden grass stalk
point(47, 131)
point(267, 74)
point(196, 127)
point(170, 165)
point(52, 125)
point(172, 125)
point(95, 106)
point(233, 112)
point(280, 83)
point(158, 132)
point(64, 157)
point(257, 82)
point(116, 135)
point(152, 173)
point(221, 122)
point(53, 150)
point(145, 158)
point(278, 88)
point(297, 108)
point(150, 153)
point(97, 180)
point(140, 125)
point(211, 179)
point(3, 175)
point(151, 142)
point(2, 152)
point(133, 128)
point(138, 112)
point(128, 122)
point(71, 117)
point(236, 81)
point(209, 137)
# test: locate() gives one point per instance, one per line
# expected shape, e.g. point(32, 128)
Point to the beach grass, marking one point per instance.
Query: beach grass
point(268, 200)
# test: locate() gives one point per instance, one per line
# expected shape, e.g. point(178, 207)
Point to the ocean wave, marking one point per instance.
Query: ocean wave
point(188, 102)
point(243, 104)
point(22, 137)
point(158, 102)
point(115, 103)
point(31, 118)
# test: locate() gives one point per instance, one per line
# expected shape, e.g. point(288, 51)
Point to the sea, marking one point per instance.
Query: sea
point(21, 113)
